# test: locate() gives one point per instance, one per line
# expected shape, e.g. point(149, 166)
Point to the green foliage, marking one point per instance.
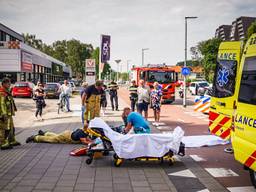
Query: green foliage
point(209, 51)
point(250, 31)
point(190, 63)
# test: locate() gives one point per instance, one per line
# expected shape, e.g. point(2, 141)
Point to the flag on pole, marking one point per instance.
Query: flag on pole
point(105, 48)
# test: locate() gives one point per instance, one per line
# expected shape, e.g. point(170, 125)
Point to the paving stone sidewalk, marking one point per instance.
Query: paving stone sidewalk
point(48, 167)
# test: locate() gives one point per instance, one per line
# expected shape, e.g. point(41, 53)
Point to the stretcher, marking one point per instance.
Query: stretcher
point(135, 147)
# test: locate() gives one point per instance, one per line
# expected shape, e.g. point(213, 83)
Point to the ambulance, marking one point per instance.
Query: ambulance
point(243, 135)
point(233, 103)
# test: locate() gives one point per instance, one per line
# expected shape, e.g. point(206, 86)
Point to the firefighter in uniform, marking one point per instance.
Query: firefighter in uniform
point(7, 110)
point(133, 94)
point(92, 101)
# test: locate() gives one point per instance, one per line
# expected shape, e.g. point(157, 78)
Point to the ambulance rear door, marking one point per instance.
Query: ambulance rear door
point(223, 90)
point(244, 135)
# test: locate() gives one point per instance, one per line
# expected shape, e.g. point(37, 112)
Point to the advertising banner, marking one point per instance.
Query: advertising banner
point(26, 62)
point(105, 48)
point(90, 71)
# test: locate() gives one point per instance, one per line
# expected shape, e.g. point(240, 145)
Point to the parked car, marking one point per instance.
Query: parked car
point(52, 90)
point(198, 87)
point(23, 89)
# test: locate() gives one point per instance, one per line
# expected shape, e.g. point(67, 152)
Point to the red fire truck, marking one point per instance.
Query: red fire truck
point(164, 75)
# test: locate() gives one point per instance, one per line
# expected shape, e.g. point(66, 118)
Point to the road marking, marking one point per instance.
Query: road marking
point(204, 190)
point(200, 117)
point(207, 120)
point(221, 172)
point(195, 114)
point(197, 158)
point(184, 173)
point(163, 127)
point(244, 189)
point(181, 120)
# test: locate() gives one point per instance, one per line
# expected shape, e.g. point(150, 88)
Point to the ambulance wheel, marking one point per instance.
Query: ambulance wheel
point(253, 177)
point(118, 162)
point(88, 161)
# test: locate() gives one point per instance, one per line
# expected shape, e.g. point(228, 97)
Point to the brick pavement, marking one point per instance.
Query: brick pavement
point(48, 167)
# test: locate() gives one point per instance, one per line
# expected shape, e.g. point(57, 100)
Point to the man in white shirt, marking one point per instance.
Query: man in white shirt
point(65, 91)
point(143, 98)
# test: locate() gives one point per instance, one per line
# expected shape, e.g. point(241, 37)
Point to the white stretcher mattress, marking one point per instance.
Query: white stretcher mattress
point(140, 145)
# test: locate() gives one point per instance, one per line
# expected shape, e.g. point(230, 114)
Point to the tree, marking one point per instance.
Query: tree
point(251, 30)
point(209, 51)
point(33, 41)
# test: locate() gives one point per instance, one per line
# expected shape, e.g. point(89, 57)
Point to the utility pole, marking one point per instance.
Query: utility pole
point(117, 62)
point(185, 61)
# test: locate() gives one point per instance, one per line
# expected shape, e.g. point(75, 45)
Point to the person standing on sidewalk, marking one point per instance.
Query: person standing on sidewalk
point(133, 94)
point(65, 91)
point(143, 98)
point(113, 87)
point(7, 110)
point(82, 94)
point(156, 97)
point(92, 101)
point(40, 102)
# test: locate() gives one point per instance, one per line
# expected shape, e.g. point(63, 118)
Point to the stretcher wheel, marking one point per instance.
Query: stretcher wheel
point(118, 162)
point(115, 156)
point(88, 161)
point(171, 162)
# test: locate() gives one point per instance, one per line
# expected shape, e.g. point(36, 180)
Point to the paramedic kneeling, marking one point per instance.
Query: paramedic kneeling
point(135, 120)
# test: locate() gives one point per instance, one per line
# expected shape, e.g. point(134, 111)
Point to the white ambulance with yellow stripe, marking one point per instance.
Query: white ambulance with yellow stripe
point(233, 104)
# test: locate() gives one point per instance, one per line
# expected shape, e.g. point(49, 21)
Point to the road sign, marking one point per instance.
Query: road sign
point(90, 70)
point(185, 71)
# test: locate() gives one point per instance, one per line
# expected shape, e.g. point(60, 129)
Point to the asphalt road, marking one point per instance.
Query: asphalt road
point(214, 160)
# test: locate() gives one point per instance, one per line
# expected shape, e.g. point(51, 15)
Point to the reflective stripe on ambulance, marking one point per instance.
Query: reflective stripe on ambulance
point(220, 125)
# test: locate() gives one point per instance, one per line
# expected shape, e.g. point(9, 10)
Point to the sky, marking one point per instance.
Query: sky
point(158, 25)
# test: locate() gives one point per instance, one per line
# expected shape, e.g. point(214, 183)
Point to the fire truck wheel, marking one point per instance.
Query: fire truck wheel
point(253, 177)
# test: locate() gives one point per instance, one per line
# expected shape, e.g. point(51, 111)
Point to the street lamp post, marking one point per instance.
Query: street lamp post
point(143, 49)
point(185, 62)
point(117, 62)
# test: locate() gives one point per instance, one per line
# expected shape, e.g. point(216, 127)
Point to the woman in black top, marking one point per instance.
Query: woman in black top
point(40, 103)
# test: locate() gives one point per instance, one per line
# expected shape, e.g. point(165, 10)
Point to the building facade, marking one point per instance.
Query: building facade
point(20, 62)
point(235, 32)
point(223, 32)
point(7, 34)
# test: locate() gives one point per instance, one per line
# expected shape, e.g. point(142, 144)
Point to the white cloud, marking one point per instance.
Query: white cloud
point(133, 25)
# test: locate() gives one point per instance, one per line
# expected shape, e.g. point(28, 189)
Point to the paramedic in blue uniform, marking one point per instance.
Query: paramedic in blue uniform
point(135, 120)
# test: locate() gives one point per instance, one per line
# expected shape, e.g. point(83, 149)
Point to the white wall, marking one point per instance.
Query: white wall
point(10, 60)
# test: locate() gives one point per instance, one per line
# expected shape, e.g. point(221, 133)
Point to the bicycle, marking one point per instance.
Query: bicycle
point(62, 103)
